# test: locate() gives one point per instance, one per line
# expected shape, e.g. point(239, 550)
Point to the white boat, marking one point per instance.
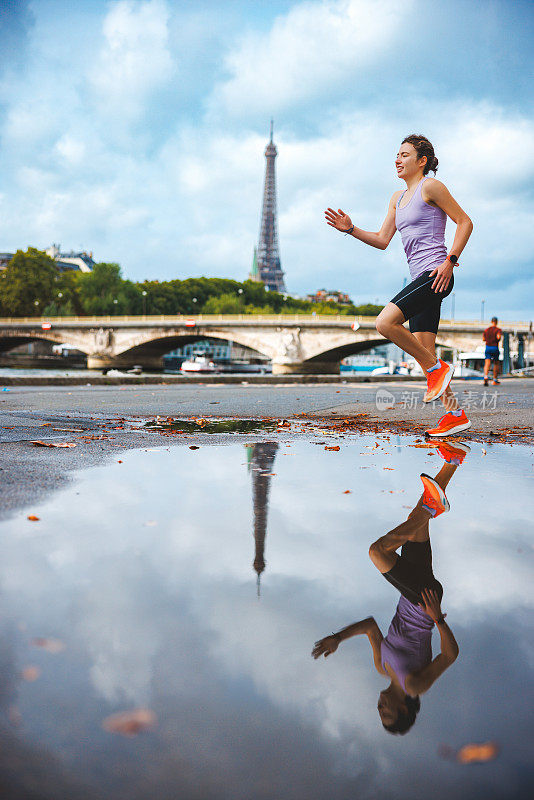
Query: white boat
point(200, 363)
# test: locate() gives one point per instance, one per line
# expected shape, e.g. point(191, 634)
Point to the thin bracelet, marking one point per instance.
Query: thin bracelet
point(336, 636)
point(349, 231)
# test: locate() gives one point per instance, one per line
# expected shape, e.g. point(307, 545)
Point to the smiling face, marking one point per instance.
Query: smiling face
point(407, 163)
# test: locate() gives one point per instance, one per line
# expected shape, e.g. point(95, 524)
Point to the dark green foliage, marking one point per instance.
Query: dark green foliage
point(28, 284)
point(103, 291)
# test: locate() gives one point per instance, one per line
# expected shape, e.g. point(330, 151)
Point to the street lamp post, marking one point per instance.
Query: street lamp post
point(144, 293)
point(453, 295)
point(482, 310)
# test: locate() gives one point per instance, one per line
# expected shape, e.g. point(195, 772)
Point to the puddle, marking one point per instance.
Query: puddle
point(211, 425)
point(158, 621)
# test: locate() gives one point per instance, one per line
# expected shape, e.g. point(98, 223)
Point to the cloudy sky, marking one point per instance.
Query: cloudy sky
point(136, 129)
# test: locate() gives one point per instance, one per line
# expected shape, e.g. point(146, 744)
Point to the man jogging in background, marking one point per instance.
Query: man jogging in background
point(492, 336)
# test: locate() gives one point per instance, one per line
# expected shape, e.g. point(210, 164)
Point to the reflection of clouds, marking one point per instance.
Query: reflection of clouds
point(116, 622)
point(169, 617)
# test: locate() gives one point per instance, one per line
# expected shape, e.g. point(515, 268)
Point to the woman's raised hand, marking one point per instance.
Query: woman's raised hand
point(338, 219)
point(325, 646)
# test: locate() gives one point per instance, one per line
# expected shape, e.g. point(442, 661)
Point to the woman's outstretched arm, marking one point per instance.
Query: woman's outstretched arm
point(342, 222)
point(367, 626)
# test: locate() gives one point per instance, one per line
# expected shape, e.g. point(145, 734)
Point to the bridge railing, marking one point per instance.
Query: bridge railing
point(229, 319)
point(183, 318)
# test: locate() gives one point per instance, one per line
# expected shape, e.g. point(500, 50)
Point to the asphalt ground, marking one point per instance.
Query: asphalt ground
point(103, 420)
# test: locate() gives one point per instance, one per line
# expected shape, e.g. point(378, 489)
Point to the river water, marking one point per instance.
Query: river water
point(192, 585)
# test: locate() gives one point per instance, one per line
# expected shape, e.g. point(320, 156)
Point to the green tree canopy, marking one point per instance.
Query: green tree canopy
point(104, 291)
point(28, 284)
point(224, 304)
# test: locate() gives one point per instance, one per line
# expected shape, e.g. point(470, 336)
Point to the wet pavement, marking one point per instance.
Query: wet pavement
point(182, 580)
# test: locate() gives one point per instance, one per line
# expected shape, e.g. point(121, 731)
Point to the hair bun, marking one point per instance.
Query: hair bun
point(434, 165)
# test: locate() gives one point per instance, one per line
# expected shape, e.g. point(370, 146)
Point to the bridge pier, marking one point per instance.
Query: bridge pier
point(125, 362)
point(307, 368)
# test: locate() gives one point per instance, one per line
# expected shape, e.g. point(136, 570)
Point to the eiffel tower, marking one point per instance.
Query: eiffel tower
point(266, 264)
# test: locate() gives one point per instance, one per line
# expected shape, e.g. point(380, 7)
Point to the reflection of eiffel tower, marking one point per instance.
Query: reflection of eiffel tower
point(261, 465)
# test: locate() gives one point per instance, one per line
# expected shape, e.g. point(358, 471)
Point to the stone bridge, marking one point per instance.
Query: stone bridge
point(299, 343)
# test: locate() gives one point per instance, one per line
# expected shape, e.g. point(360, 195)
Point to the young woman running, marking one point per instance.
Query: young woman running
point(420, 213)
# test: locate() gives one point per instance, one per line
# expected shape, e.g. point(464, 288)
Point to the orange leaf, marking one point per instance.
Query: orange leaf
point(38, 443)
point(347, 491)
point(130, 723)
point(33, 518)
point(30, 674)
point(473, 753)
point(335, 447)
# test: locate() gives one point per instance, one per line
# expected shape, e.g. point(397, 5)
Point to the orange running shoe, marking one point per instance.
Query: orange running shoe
point(437, 381)
point(434, 499)
point(453, 453)
point(449, 424)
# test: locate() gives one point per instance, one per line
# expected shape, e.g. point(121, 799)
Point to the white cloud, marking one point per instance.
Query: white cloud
point(314, 48)
point(135, 59)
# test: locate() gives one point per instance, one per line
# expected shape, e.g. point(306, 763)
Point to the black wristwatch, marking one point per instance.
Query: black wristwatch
point(453, 259)
point(440, 620)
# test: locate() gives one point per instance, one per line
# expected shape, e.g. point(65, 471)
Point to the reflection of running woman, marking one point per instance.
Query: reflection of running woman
point(420, 214)
point(404, 655)
point(492, 336)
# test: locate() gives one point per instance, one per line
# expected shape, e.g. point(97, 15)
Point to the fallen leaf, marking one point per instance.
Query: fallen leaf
point(347, 491)
point(33, 518)
point(38, 443)
point(48, 644)
point(334, 447)
point(130, 723)
point(388, 467)
point(30, 673)
point(193, 447)
point(477, 753)
point(119, 462)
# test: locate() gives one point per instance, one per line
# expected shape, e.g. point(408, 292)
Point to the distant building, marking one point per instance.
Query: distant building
point(5, 258)
point(329, 296)
point(71, 261)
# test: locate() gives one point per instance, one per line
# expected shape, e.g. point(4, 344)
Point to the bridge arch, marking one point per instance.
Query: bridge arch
point(9, 341)
point(154, 348)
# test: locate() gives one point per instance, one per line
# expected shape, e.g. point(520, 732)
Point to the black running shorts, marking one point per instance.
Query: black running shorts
point(413, 572)
point(420, 304)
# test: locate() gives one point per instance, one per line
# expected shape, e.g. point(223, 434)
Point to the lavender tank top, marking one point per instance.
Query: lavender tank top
point(422, 229)
point(408, 645)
